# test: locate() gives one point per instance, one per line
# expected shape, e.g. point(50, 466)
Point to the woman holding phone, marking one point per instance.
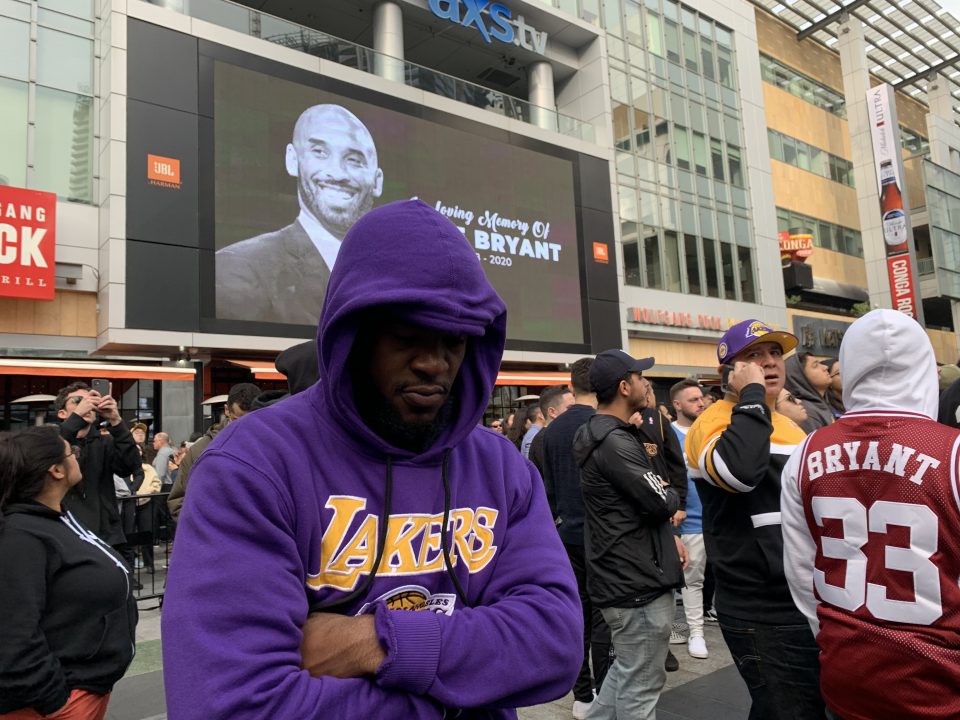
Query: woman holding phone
point(67, 613)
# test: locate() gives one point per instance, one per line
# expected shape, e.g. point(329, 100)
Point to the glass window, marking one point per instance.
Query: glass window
point(58, 21)
point(671, 254)
point(590, 11)
point(803, 155)
point(625, 163)
point(707, 222)
point(612, 19)
point(694, 286)
point(651, 256)
point(725, 68)
point(660, 105)
point(682, 142)
point(723, 227)
point(700, 153)
point(724, 38)
point(696, 117)
point(654, 37)
point(628, 204)
point(648, 207)
point(688, 218)
point(631, 262)
point(747, 293)
point(668, 212)
point(14, 49)
point(734, 166)
point(818, 161)
point(678, 109)
point(710, 267)
point(670, 10)
point(671, 32)
point(13, 130)
point(714, 123)
point(726, 264)
point(775, 144)
point(789, 149)
point(64, 61)
point(731, 129)
point(63, 161)
point(690, 56)
point(77, 8)
point(633, 25)
point(618, 86)
point(741, 231)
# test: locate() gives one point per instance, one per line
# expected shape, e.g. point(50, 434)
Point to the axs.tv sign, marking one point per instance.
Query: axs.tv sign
point(493, 20)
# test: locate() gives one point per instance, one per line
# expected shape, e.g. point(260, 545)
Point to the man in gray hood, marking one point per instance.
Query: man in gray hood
point(809, 381)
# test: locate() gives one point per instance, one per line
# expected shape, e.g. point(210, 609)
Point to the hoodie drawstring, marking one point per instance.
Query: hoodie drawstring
point(444, 541)
point(381, 546)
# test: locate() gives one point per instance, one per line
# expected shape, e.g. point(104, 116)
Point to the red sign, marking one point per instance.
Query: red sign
point(28, 229)
point(796, 244)
point(675, 318)
point(601, 253)
point(901, 285)
point(163, 171)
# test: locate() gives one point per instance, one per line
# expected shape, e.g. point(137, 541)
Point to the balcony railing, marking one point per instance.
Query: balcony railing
point(925, 266)
point(313, 42)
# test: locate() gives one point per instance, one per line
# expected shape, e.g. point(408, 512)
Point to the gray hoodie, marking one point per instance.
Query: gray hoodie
point(819, 412)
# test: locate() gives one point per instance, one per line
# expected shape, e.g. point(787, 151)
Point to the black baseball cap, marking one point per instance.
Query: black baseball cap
point(610, 366)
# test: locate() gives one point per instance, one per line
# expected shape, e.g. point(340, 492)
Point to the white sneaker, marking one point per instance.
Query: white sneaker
point(677, 634)
point(697, 647)
point(580, 709)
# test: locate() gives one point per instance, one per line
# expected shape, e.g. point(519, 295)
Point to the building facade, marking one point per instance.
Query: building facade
point(630, 173)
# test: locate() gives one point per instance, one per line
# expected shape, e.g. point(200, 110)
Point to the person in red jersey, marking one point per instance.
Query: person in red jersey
point(871, 532)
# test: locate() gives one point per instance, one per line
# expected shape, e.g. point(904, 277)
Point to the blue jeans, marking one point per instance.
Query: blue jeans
point(640, 637)
point(780, 665)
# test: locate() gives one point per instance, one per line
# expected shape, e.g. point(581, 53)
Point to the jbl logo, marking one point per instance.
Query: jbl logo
point(163, 171)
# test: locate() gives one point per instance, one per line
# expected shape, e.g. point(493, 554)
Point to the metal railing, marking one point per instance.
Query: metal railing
point(343, 52)
point(149, 530)
point(925, 266)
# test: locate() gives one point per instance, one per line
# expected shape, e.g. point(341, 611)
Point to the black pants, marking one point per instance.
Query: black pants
point(780, 665)
point(596, 634)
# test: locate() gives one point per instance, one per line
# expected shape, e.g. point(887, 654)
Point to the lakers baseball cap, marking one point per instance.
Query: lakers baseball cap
point(610, 366)
point(747, 332)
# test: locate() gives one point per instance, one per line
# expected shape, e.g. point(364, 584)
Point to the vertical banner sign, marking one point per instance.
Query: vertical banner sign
point(895, 215)
point(28, 226)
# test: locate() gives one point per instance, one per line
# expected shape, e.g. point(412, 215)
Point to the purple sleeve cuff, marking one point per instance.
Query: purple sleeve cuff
point(412, 643)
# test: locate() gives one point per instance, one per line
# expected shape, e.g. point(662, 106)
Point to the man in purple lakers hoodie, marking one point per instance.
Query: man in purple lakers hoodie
point(364, 549)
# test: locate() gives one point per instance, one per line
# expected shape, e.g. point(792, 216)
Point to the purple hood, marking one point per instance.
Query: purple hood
point(365, 276)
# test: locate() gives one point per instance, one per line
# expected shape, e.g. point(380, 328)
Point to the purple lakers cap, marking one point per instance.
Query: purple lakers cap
point(747, 332)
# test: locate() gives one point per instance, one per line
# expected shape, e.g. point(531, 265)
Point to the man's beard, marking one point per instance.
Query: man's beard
point(690, 418)
point(386, 422)
point(337, 220)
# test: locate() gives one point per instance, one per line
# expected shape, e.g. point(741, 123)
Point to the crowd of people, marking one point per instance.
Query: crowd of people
point(362, 545)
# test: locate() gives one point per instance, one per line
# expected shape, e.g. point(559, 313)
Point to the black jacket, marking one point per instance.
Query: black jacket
point(561, 476)
point(665, 452)
point(94, 500)
point(630, 549)
point(67, 613)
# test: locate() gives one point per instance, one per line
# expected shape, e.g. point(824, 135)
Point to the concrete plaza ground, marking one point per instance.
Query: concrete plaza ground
point(699, 690)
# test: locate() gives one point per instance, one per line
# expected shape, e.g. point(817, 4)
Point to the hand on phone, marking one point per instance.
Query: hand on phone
point(744, 374)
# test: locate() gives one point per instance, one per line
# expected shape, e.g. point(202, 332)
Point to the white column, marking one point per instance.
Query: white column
point(388, 40)
point(543, 112)
point(856, 81)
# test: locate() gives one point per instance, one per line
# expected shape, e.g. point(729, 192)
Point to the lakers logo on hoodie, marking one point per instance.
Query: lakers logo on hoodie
point(413, 543)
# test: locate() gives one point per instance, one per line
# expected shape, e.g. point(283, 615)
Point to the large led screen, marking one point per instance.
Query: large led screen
point(295, 166)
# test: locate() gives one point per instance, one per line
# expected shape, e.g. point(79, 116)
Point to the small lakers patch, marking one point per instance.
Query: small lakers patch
point(415, 597)
point(757, 329)
point(651, 449)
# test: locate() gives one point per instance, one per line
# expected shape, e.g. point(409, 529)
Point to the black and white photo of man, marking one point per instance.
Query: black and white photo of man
point(282, 276)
